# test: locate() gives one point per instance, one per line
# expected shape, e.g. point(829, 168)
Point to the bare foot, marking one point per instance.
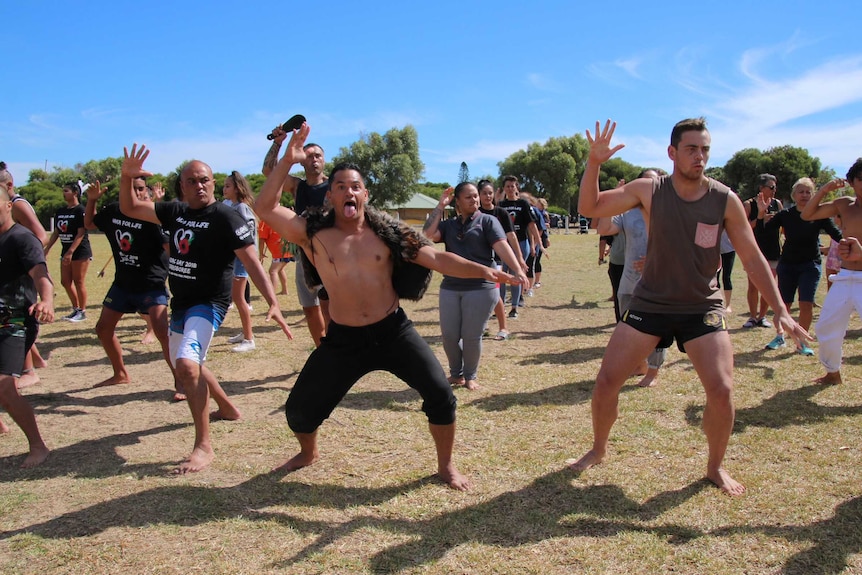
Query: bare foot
point(453, 478)
point(649, 380)
point(219, 415)
point(831, 378)
point(726, 483)
point(3, 427)
point(590, 459)
point(298, 461)
point(36, 456)
point(114, 380)
point(178, 397)
point(282, 292)
point(148, 337)
point(28, 379)
point(39, 362)
point(456, 381)
point(199, 459)
point(728, 311)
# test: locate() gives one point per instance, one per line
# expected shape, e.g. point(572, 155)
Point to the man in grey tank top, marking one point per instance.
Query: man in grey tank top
point(677, 298)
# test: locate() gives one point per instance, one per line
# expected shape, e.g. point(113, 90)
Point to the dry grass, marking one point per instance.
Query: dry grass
point(104, 502)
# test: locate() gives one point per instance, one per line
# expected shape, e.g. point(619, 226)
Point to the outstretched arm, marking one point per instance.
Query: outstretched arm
point(454, 265)
point(507, 255)
point(42, 310)
point(850, 250)
point(133, 167)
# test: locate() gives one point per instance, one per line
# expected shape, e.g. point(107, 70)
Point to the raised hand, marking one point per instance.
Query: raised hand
point(133, 162)
point(850, 250)
point(600, 147)
point(95, 191)
point(158, 192)
point(278, 135)
point(446, 197)
point(294, 152)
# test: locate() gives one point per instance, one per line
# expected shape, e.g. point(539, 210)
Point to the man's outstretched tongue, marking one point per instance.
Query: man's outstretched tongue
point(349, 210)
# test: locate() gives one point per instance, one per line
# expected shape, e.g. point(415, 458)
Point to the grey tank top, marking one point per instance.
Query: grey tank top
point(683, 252)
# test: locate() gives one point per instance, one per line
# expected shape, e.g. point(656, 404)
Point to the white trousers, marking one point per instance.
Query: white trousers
point(844, 296)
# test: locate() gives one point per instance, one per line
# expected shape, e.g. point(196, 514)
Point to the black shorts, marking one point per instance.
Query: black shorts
point(683, 327)
point(15, 341)
point(347, 353)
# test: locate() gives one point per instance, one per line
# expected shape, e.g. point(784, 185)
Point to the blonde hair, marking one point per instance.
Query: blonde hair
point(803, 183)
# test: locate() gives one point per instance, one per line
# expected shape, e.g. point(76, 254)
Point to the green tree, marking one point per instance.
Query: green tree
point(551, 170)
point(463, 173)
point(46, 197)
point(389, 162)
point(786, 163)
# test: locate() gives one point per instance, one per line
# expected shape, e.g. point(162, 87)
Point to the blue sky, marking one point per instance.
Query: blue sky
point(478, 80)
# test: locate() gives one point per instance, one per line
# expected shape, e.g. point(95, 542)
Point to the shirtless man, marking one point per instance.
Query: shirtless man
point(679, 297)
point(307, 193)
point(844, 296)
point(368, 331)
point(205, 238)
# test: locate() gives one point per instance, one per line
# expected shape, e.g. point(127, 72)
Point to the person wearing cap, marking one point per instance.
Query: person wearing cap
point(768, 242)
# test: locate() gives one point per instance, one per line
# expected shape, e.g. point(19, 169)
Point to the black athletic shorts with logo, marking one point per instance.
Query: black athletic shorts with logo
point(680, 326)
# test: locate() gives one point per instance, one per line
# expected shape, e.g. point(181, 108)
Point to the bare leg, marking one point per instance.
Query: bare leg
point(831, 378)
point(307, 455)
point(68, 284)
point(149, 335)
point(22, 413)
point(238, 297)
point(649, 380)
point(106, 331)
point(158, 318)
point(189, 374)
point(806, 313)
point(727, 294)
point(29, 376)
point(712, 357)
point(36, 358)
point(444, 443)
point(3, 427)
point(79, 275)
point(500, 312)
point(316, 325)
point(625, 350)
point(226, 409)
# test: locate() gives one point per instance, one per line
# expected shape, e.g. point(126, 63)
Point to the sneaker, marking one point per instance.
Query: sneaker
point(522, 303)
point(750, 323)
point(244, 346)
point(777, 342)
point(538, 285)
point(513, 314)
point(71, 315)
point(529, 293)
point(763, 322)
point(238, 338)
point(79, 315)
point(805, 350)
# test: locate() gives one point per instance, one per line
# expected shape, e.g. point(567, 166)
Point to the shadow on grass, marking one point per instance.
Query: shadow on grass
point(784, 409)
point(832, 540)
point(93, 458)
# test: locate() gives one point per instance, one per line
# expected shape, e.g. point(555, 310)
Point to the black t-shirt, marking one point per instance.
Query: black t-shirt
point(502, 217)
point(308, 196)
point(140, 261)
point(801, 238)
point(767, 238)
point(521, 214)
point(202, 244)
point(20, 252)
point(69, 221)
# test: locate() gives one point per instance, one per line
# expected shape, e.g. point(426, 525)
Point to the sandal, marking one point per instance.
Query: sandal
point(501, 335)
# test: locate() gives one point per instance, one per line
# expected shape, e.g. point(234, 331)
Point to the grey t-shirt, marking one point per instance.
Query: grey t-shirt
point(472, 240)
point(633, 228)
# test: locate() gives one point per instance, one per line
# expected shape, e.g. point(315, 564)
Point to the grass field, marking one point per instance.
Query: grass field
point(105, 502)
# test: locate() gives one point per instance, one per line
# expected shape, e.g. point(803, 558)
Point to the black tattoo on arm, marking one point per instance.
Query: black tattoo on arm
point(432, 219)
point(271, 156)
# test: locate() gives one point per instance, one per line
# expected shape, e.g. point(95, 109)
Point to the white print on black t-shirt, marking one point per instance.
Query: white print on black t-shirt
point(183, 240)
point(243, 232)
